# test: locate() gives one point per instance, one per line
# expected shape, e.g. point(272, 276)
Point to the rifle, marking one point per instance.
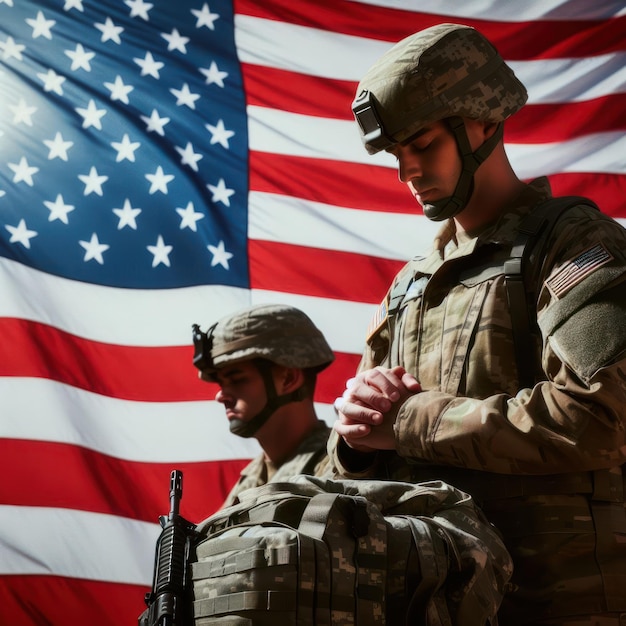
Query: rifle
point(166, 606)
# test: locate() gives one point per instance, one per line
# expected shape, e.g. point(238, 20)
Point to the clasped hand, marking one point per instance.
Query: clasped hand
point(367, 410)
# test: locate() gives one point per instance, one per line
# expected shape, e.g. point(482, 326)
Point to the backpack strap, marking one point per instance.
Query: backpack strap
point(520, 282)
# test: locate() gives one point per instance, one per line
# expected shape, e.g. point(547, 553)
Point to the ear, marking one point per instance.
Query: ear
point(489, 128)
point(288, 379)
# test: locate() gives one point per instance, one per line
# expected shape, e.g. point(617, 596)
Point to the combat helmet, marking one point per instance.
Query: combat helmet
point(264, 334)
point(445, 72)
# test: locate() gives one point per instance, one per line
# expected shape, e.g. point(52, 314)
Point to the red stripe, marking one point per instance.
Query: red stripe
point(104, 484)
point(336, 183)
point(324, 273)
point(515, 40)
point(31, 349)
point(56, 601)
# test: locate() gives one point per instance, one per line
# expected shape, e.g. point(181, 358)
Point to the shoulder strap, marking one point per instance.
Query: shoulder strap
point(533, 233)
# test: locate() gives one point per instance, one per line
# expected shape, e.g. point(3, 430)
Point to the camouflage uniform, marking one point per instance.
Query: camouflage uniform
point(544, 462)
point(310, 458)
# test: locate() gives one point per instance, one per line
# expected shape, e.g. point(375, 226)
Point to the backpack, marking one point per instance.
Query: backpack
point(348, 552)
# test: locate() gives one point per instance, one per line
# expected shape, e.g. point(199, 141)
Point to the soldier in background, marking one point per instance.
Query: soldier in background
point(265, 360)
point(440, 392)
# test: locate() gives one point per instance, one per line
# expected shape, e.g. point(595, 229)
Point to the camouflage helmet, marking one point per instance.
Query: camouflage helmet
point(443, 71)
point(278, 333)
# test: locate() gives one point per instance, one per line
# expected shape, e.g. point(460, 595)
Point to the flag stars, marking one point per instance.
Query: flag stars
point(73, 4)
point(125, 148)
point(139, 8)
point(10, 49)
point(148, 65)
point(52, 82)
point(185, 97)
point(22, 113)
point(160, 252)
point(93, 182)
point(80, 58)
point(219, 134)
point(213, 75)
point(127, 215)
point(91, 115)
point(58, 147)
point(159, 181)
point(23, 172)
point(119, 91)
point(110, 32)
point(21, 234)
point(58, 209)
point(175, 41)
point(94, 249)
point(41, 26)
point(189, 217)
point(188, 156)
point(220, 255)
point(220, 192)
point(155, 123)
point(204, 17)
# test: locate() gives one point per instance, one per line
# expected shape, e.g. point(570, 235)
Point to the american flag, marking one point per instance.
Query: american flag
point(164, 163)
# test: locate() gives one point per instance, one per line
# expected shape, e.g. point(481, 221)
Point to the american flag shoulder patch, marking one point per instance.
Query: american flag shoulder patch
point(378, 319)
point(576, 270)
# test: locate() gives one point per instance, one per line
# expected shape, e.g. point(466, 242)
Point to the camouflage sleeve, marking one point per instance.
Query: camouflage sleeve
point(576, 418)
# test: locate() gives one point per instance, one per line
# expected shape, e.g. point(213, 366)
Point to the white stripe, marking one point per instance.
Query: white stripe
point(326, 54)
point(496, 10)
point(39, 409)
point(145, 317)
point(77, 544)
point(274, 217)
point(338, 140)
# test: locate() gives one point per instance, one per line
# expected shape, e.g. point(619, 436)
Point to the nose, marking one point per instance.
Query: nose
point(221, 396)
point(409, 166)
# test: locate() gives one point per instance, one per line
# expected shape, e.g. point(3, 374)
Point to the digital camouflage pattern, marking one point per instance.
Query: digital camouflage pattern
point(443, 71)
point(544, 463)
point(279, 333)
point(310, 458)
point(353, 546)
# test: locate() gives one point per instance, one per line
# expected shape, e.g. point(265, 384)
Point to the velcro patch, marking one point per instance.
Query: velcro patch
point(576, 270)
point(379, 318)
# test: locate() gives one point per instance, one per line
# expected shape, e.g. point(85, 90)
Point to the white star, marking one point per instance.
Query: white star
point(160, 252)
point(189, 217)
point(119, 91)
point(73, 4)
point(220, 256)
point(149, 66)
point(41, 26)
point(91, 115)
point(213, 74)
point(94, 249)
point(11, 49)
point(93, 182)
point(188, 156)
point(21, 234)
point(127, 215)
point(205, 17)
point(219, 134)
point(175, 41)
point(23, 171)
point(159, 181)
point(58, 147)
point(184, 96)
point(80, 58)
point(220, 192)
point(139, 8)
point(58, 209)
point(155, 123)
point(7, 2)
point(52, 81)
point(110, 31)
point(22, 113)
point(125, 148)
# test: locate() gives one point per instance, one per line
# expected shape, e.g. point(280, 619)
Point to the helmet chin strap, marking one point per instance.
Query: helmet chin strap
point(249, 428)
point(470, 161)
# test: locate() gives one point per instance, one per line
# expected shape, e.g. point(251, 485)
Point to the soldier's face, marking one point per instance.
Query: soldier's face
point(429, 164)
point(242, 391)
